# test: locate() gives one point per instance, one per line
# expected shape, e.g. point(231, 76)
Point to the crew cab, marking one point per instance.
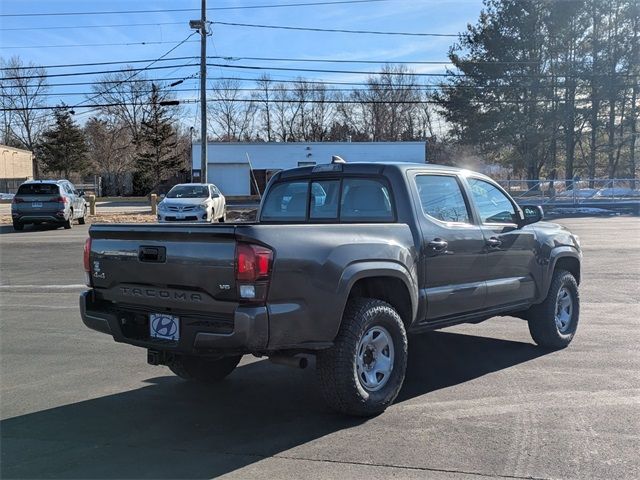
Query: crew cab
point(343, 262)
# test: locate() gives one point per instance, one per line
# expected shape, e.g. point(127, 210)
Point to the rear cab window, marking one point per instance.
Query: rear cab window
point(347, 199)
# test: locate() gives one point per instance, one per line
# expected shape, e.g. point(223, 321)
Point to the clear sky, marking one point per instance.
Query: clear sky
point(26, 37)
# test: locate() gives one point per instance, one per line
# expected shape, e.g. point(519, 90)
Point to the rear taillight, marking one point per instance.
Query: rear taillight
point(253, 270)
point(87, 262)
point(61, 200)
point(17, 200)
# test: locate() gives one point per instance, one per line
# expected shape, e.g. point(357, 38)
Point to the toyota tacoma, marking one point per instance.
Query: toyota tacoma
point(343, 262)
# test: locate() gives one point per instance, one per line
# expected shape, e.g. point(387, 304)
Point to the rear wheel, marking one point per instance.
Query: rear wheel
point(204, 369)
point(554, 322)
point(364, 370)
point(18, 227)
point(67, 224)
point(81, 220)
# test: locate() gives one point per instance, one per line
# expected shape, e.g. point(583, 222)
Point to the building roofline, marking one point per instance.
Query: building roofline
point(269, 144)
point(2, 146)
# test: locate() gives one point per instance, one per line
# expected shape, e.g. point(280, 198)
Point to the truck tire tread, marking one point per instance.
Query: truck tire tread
point(541, 317)
point(338, 382)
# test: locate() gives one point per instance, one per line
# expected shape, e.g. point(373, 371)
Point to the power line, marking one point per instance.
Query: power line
point(172, 10)
point(232, 58)
point(416, 88)
point(148, 67)
point(290, 81)
point(408, 74)
point(68, 65)
point(100, 72)
point(336, 30)
point(94, 45)
point(326, 102)
point(353, 72)
point(84, 27)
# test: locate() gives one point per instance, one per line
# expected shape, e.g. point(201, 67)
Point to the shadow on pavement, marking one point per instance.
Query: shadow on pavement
point(172, 428)
point(5, 229)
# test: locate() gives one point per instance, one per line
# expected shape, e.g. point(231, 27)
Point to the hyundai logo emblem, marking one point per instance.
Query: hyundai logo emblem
point(164, 326)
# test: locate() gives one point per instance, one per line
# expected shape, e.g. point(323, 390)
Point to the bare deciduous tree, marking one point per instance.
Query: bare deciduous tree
point(231, 115)
point(112, 153)
point(23, 91)
point(126, 95)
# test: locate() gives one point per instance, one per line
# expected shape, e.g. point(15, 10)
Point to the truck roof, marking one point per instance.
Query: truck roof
point(366, 168)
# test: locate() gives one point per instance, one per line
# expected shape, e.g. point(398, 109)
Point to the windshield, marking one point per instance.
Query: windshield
point(188, 191)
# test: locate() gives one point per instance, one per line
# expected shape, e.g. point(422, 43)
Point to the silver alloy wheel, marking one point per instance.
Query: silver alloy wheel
point(564, 309)
point(374, 358)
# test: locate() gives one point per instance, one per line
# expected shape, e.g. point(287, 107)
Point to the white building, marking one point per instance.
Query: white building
point(230, 164)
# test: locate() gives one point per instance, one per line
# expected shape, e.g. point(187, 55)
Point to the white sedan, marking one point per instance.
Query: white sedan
point(193, 202)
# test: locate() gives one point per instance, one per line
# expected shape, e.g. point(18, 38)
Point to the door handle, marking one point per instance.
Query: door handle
point(438, 244)
point(493, 242)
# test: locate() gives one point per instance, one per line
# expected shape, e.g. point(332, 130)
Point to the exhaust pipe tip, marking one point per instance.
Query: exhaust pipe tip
point(290, 361)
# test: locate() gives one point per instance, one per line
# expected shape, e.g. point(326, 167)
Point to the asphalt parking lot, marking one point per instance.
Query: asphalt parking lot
point(479, 400)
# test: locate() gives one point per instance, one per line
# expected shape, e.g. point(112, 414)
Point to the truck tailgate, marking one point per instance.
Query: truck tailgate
point(165, 267)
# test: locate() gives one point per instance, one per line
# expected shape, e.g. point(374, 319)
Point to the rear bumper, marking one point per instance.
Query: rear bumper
point(39, 217)
point(250, 331)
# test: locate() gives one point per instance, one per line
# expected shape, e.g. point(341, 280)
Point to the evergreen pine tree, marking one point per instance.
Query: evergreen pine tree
point(159, 157)
point(63, 148)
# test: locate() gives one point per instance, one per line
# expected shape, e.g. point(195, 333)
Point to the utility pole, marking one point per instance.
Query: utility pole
point(203, 92)
point(202, 26)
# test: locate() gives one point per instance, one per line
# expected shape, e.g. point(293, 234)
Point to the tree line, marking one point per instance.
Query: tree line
point(544, 88)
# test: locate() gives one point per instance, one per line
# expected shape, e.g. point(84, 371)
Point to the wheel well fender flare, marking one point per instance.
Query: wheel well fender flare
point(378, 269)
point(563, 254)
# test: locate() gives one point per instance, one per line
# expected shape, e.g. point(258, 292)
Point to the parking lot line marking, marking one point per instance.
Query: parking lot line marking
point(42, 287)
point(48, 307)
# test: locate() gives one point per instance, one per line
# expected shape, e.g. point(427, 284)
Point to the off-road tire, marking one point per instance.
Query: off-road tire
point(336, 366)
point(541, 317)
point(203, 369)
point(18, 227)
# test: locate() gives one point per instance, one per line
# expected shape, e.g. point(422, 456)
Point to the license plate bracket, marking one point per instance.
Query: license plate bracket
point(164, 326)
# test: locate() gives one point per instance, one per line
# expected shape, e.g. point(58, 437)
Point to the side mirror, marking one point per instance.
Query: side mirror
point(215, 195)
point(162, 196)
point(532, 214)
point(80, 193)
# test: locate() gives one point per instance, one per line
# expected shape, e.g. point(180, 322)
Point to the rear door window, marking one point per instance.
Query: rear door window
point(441, 198)
point(38, 189)
point(365, 200)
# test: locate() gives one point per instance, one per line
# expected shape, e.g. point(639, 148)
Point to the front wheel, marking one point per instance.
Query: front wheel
point(554, 322)
point(363, 372)
point(204, 369)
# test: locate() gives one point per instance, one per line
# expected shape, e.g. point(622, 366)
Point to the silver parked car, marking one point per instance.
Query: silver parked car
point(48, 201)
point(193, 202)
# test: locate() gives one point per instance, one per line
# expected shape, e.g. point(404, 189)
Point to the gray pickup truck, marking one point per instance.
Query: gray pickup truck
point(344, 261)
